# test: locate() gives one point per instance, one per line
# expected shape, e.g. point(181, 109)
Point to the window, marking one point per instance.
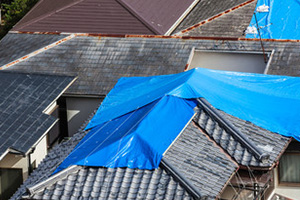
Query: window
point(10, 181)
point(239, 61)
point(289, 168)
point(289, 165)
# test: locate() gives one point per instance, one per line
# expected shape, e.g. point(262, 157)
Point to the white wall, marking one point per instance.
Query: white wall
point(78, 111)
point(40, 151)
point(240, 62)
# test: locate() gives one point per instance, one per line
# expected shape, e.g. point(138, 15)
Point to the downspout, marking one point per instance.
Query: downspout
point(30, 169)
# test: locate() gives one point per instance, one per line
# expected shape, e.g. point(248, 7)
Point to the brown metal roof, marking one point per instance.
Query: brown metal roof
point(157, 14)
point(82, 16)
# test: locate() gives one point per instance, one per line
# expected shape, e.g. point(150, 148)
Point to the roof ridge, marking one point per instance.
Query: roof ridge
point(215, 17)
point(138, 17)
point(249, 145)
point(37, 51)
point(186, 184)
point(48, 14)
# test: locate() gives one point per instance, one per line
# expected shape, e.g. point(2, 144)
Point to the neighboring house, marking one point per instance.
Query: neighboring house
point(28, 122)
point(216, 156)
point(140, 17)
point(108, 17)
point(100, 61)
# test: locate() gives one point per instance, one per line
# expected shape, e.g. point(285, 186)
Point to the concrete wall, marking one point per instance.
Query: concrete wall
point(78, 111)
point(240, 62)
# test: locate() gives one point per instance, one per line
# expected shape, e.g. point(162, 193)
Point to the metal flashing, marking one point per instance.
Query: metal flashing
point(182, 17)
point(56, 177)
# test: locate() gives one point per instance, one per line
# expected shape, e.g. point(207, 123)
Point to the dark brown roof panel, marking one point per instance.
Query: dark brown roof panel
point(159, 15)
point(42, 9)
point(89, 16)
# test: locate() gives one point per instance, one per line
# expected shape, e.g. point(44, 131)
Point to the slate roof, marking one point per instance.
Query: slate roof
point(24, 97)
point(106, 59)
point(104, 16)
point(231, 23)
point(15, 46)
point(206, 9)
point(189, 156)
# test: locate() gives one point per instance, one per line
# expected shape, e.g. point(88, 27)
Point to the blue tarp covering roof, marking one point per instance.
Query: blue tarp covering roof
point(141, 116)
point(281, 21)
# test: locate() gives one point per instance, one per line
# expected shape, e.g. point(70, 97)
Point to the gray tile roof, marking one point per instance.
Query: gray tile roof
point(100, 61)
point(206, 9)
point(118, 183)
point(231, 24)
point(271, 143)
point(23, 98)
point(15, 46)
point(193, 155)
point(201, 161)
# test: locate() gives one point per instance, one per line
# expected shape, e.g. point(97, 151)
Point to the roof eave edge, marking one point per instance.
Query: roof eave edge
point(64, 173)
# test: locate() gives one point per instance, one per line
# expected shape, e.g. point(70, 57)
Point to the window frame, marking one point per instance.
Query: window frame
point(284, 183)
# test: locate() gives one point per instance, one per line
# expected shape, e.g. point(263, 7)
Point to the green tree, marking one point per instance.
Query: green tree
point(13, 12)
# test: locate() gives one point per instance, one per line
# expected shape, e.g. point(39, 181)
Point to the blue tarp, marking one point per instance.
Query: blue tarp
point(137, 139)
point(281, 22)
point(141, 116)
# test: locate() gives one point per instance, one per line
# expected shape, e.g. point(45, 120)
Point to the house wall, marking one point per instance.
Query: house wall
point(18, 161)
point(240, 62)
point(78, 111)
point(15, 161)
point(40, 151)
point(292, 192)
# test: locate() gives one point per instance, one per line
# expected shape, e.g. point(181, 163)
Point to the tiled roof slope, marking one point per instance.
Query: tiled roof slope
point(24, 97)
point(85, 16)
point(232, 24)
point(15, 46)
point(201, 162)
point(101, 61)
point(271, 143)
point(206, 9)
point(118, 183)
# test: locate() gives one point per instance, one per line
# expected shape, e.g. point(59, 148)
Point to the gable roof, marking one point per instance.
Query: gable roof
point(108, 58)
point(24, 97)
point(104, 16)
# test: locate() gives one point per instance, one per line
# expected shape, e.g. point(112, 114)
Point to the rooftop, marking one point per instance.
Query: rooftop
point(24, 98)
